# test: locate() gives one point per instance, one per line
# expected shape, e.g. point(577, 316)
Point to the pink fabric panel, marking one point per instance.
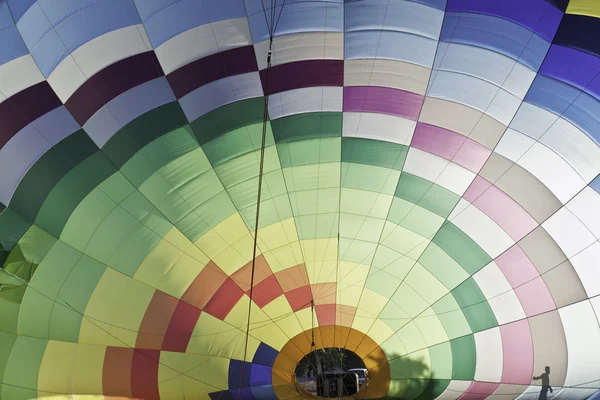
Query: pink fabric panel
point(506, 212)
point(479, 391)
point(472, 155)
point(535, 297)
point(477, 188)
point(517, 349)
point(516, 266)
point(439, 141)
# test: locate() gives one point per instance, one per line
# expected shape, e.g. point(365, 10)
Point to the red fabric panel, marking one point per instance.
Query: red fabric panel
point(181, 327)
point(243, 276)
point(116, 373)
point(224, 300)
point(325, 314)
point(299, 298)
point(156, 320)
point(266, 291)
point(204, 286)
point(144, 374)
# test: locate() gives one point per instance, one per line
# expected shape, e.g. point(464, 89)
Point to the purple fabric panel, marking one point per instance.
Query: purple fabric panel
point(574, 67)
point(25, 107)
point(211, 68)
point(436, 140)
point(303, 74)
point(537, 15)
point(382, 100)
point(111, 82)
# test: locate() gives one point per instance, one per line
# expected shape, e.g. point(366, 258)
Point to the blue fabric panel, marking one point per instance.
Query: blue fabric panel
point(6, 18)
point(235, 374)
point(575, 67)
point(439, 4)
point(579, 32)
point(165, 19)
point(11, 45)
point(297, 17)
point(596, 186)
point(401, 16)
point(551, 94)
point(265, 355)
point(585, 113)
point(496, 34)
point(264, 393)
point(19, 7)
point(224, 395)
point(33, 26)
point(49, 53)
point(384, 44)
point(261, 375)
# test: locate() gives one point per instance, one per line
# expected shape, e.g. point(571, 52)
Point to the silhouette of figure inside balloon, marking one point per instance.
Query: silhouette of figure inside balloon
point(545, 377)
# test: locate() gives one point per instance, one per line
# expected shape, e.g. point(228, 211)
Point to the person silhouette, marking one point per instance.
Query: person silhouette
point(545, 377)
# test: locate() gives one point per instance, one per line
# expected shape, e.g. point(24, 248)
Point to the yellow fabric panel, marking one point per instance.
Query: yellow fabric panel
point(380, 331)
point(232, 229)
point(412, 337)
point(87, 369)
point(322, 271)
point(318, 250)
point(101, 309)
point(231, 258)
point(369, 307)
point(217, 372)
point(284, 257)
point(56, 369)
point(278, 234)
point(401, 239)
point(394, 346)
point(238, 316)
point(206, 328)
point(406, 294)
point(158, 263)
point(181, 275)
point(279, 310)
point(171, 372)
point(129, 315)
point(305, 317)
point(584, 7)
point(211, 243)
point(352, 278)
point(429, 287)
point(177, 239)
point(431, 327)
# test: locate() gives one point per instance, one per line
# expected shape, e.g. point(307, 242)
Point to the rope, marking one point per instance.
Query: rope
point(260, 179)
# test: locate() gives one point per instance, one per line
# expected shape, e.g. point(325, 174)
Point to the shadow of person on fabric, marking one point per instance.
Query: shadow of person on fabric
point(545, 378)
point(413, 380)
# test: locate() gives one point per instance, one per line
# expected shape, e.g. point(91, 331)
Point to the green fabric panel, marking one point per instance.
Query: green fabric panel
point(70, 191)
point(317, 226)
point(143, 130)
point(374, 152)
point(65, 324)
point(51, 167)
point(117, 187)
point(34, 320)
point(464, 358)
point(237, 143)
point(369, 177)
point(145, 212)
point(442, 266)
point(10, 304)
point(468, 293)
point(435, 387)
point(3, 256)
point(22, 368)
point(474, 305)
point(29, 252)
point(80, 283)
point(216, 209)
point(2, 207)
point(7, 278)
point(7, 341)
point(228, 118)
point(133, 249)
point(441, 361)
point(451, 317)
point(271, 211)
point(159, 153)
point(461, 248)
point(307, 126)
point(426, 194)
point(12, 228)
point(312, 151)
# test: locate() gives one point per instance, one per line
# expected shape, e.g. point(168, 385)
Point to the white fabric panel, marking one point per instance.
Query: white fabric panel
point(125, 108)
point(203, 41)
point(519, 80)
point(301, 46)
point(583, 341)
point(568, 232)
point(17, 155)
point(447, 114)
point(56, 125)
point(303, 100)
point(507, 308)
point(552, 171)
point(454, 390)
point(491, 280)
point(17, 75)
point(504, 106)
point(532, 120)
point(95, 55)
point(586, 207)
point(220, 92)
point(587, 264)
point(464, 89)
point(387, 73)
point(514, 145)
point(575, 146)
point(388, 128)
point(488, 345)
point(456, 178)
point(483, 230)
